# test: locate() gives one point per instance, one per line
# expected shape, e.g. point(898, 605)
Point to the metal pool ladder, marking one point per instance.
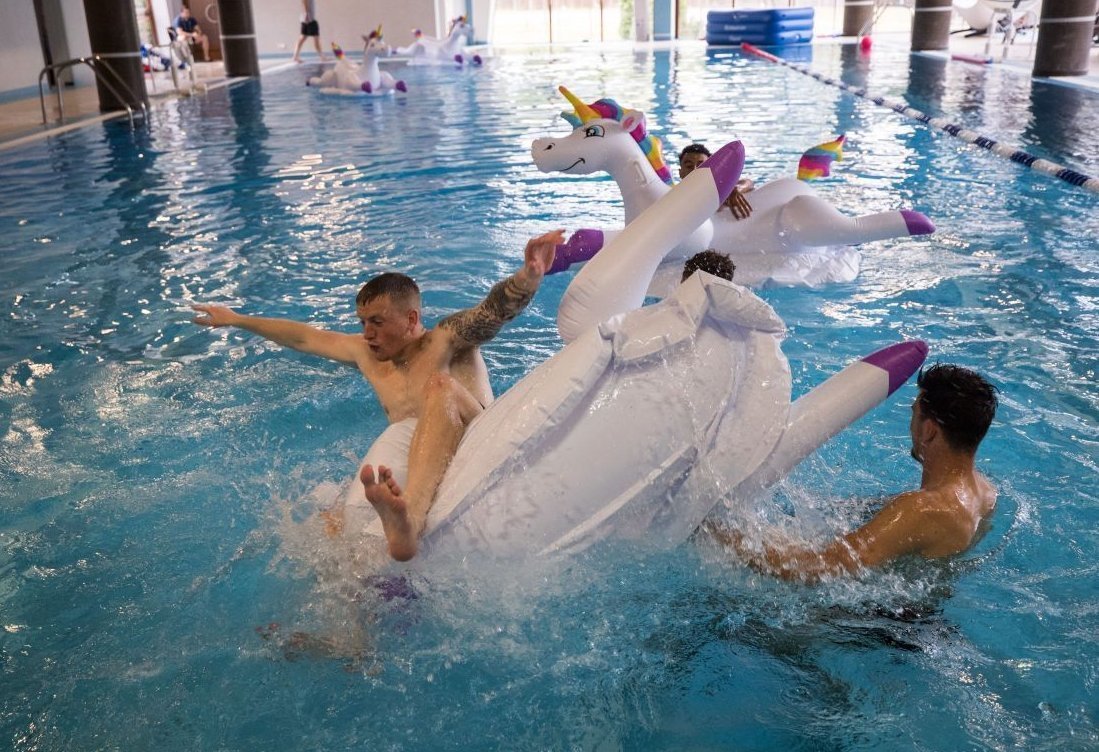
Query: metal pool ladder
point(98, 66)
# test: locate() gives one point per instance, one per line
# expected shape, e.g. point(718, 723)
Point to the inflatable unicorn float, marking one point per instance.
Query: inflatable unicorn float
point(431, 51)
point(793, 236)
point(647, 418)
point(344, 77)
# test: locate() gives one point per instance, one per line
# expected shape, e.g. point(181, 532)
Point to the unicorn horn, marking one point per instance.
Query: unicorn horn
point(585, 112)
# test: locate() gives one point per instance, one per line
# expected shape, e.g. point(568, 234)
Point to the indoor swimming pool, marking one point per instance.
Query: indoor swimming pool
point(158, 549)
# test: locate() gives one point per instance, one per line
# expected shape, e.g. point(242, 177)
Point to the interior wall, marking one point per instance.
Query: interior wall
point(341, 21)
point(23, 59)
point(276, 21)
point(22, 52)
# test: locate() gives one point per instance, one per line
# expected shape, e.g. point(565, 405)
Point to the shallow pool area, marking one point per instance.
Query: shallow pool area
point(164, 583)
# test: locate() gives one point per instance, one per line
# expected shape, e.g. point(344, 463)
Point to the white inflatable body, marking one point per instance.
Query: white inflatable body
point(450, 51)
point(346, 77)
point(793, 236)
point(377, 82)
point(645, 421)
point(342, 78)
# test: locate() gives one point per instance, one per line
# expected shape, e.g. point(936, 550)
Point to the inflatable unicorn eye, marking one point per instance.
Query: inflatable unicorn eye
point(593, 131)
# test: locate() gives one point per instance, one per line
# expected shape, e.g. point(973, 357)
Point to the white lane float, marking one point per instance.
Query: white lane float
point(793, 237)
point(452, 50)
point(645, 420)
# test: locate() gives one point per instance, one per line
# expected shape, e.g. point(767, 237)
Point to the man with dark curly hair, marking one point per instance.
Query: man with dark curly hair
point(711, 262)
point(950, 415)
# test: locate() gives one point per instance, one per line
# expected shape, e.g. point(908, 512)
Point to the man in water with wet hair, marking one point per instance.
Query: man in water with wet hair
point(949, 512)
point(695, 154)
point(431, 382)
point(711, 262)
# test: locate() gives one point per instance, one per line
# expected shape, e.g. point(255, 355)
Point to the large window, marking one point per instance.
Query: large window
point(542, 21)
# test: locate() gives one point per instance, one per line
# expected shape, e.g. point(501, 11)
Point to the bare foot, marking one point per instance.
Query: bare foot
point(385, 495)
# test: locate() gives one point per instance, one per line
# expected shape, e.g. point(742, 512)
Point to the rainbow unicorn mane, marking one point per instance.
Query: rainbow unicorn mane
point(608, 109)
point(817, 162)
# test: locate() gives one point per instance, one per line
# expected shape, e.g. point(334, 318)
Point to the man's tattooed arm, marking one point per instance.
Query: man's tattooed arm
point(478, 325)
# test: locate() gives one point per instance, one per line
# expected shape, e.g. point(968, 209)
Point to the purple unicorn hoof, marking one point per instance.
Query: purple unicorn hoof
point(367, 87)
point(402, 86)
point(477, 60)
point(917, 224)
point(458, 59)
point(581, 246)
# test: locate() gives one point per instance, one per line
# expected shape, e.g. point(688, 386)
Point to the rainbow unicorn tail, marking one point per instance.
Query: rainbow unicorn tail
point(817, 162)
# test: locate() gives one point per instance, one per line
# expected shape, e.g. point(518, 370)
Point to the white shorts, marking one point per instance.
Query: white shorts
point(389, 449)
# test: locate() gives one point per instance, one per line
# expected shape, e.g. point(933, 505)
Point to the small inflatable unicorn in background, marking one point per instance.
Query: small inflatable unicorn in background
point(343, 78)
point(793, 236)
point(430, 51)
point(378, 81)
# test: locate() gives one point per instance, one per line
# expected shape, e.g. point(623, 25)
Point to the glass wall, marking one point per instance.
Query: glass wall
point(544, 21)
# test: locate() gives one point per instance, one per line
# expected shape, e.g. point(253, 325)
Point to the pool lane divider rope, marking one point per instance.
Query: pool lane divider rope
point(1009, 152)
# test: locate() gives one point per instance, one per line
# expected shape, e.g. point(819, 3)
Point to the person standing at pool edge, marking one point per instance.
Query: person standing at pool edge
point(309, 28)
point(950, 415)
point(431, 382)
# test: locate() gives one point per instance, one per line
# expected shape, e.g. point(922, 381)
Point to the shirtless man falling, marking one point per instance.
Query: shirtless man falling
point(431, 382)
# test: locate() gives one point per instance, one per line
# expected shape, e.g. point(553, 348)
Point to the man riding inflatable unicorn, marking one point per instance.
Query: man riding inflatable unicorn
point(792, 237)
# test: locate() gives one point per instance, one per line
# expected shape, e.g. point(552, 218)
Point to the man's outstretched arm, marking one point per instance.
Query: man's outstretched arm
point(477, 325)
point(343, 348)
point(902, 527)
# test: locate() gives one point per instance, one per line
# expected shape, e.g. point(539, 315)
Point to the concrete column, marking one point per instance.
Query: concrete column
point(238, 38)
point(112, 31)
point(1064, 38)
point(931, 25)
point(857, 17)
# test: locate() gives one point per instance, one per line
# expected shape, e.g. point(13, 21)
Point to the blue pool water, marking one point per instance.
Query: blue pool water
point(156, 544)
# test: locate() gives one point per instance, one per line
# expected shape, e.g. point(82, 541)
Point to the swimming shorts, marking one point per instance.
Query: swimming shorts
point(310, 29)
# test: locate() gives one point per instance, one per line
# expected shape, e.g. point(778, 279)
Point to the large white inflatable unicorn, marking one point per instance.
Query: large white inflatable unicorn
point(645, 420)
point(430, 51)
point(376, 80)
point(793, 236)
point(345, 78)
point(342, 78)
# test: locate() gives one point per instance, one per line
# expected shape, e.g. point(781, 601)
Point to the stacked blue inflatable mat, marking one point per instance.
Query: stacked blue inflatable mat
point(765, 27)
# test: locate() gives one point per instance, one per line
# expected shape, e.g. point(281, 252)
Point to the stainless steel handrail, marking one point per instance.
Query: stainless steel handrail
point(97, 64)
point(178, 55)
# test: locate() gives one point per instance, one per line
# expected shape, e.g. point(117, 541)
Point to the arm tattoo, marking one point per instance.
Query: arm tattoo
point(480, 324)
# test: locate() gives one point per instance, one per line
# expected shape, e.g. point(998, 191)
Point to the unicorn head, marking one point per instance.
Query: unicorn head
point(606, 137)
point(375, 45)
point(459, 28)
